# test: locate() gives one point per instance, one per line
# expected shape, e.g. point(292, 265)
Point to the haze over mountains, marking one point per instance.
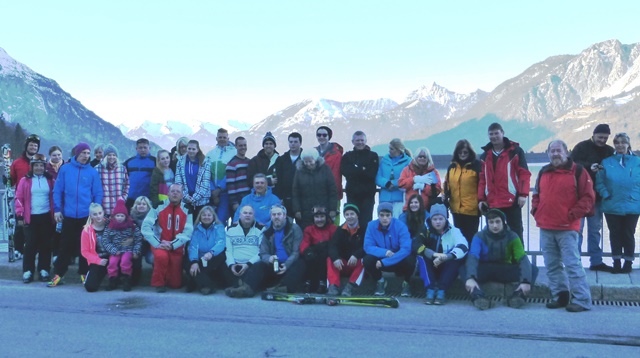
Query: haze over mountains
point(563, 97)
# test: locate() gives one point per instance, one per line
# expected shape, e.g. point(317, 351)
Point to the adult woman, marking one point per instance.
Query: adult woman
point(618, 183)
point(161, 178)
point(461, 189)
point(313, 185)
point(92, 250)
point(34, 207)
point(206, 252)
point(178, 152)
point(55, 161)
point(194, 173)
point(114, 178)
point(391, 165)
point(415, 215)
point(440, 250)
point(139, 210)
point(421, 177)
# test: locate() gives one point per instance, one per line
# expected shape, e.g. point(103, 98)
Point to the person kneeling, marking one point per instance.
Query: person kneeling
point(497, 254)
point(346, 253)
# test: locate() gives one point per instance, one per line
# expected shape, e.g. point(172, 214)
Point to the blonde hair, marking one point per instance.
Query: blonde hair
point(158, 157)
point(207, 208)
point(399, 145)
point(426, 152)
point(92, 209)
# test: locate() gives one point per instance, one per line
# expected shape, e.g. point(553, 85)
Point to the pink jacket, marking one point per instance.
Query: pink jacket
point(23, 198)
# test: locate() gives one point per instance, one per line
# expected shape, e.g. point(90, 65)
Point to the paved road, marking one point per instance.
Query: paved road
point(63, 321)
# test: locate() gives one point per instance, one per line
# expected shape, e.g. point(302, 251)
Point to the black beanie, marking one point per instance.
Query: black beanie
point(602, 128)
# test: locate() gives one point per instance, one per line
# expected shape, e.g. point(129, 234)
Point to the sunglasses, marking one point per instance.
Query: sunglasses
point(322, 134)
point(422, 157)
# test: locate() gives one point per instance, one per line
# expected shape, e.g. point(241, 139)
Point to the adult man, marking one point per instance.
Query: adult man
point(497, 255)
point(346, 252)
point(167, 229)
point(139, 168)
point(237, 175)
point(285, 169)
point(387, 244)
point(243, 252)
point(360, 167)
point(504, 178)
point(265, 159)
point(315, 249)
point(219, 156)
point(280, 252)
point(261, 200)
point(98, 154)
point(590, 153)
point(332, 154)
point(563, 195)
point(77, 186)
point(18, 170)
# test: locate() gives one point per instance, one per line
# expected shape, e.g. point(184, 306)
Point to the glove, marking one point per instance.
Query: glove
point(418, 186)
point(426, 179)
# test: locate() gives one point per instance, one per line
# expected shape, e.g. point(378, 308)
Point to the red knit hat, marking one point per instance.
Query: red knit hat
point(120, 208)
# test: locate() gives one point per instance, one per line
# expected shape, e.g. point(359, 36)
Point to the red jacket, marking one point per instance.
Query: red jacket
point(19, 169)
point(314, 235)
point(504, 178)
point(561, 197)
point(173, 223)
point(23, 198)
point(333, 159)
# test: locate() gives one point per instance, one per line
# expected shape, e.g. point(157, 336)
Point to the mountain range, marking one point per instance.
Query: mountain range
point(564, 96)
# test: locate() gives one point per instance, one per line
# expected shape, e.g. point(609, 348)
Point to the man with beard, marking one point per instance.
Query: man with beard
point(563, 195)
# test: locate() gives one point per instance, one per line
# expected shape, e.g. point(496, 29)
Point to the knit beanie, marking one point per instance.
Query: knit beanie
point(329, 131)
point(270, 137)
point(80, 147)
point(497, 212)
point(385, 207)
point(120, 208)
point(352, 207)
point(602, 128)
point(110, 148)
point(438, 209)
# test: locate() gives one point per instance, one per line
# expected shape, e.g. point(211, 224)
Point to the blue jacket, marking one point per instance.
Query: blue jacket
point(384, 174)
point(619, 186)
point(261, 206)
point(140, 170)
point(396, 238)
point(77, 186)
point(212, 239)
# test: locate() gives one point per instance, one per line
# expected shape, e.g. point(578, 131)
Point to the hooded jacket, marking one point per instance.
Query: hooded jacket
point(78, 185)
point(619, 185)
point(313, 187)
point(503, 178)
point(389, 166)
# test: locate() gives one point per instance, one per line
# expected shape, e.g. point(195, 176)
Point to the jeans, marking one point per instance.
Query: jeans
point(564, 269)
point(594, 226)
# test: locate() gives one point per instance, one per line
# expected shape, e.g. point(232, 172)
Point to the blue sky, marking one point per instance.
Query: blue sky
point(215, 61)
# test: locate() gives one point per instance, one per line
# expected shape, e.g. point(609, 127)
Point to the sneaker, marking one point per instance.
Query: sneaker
point(601, 267)
point(322, 287)
point(44, 275)
point(406, 289)
point(27, 277)
point(431, 295)
point(333, 290)
point(83, 279)
point(439, 301)
point(307, 286)
point(572, 307)
point(161, 289)
point(17, 255)
point(347, 291)
point(244, 291)
point(516, 300)
point(380, 287)
point(55, 281)
point(562, 301)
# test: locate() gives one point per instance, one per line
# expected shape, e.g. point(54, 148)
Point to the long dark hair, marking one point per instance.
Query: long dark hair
point(415, 220)
point(462, 143)
point(199, 155)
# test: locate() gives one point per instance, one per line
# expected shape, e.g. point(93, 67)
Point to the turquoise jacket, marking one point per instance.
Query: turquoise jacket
point(386, 167)
point(619, 184)
point(212, 239)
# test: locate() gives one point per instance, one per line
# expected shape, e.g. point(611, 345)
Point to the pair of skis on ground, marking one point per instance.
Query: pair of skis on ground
point(309, 298)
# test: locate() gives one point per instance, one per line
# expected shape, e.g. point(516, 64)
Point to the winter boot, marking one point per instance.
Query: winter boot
point(333, 290)
point(617, 266)
point(562, 301)
point(347, 291)
point(126, 283)
point(113, 283)
point(627, 266)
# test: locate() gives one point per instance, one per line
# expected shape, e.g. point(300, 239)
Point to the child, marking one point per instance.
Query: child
point(123, 240)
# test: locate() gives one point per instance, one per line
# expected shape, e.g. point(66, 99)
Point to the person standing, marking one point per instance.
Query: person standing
point(55, 161)
point(590, 153)
point(34, 210)
point(78, 185)
point(461, 189)
point(563, 195)
point(237, 172)
point(391, 165)
point(332, 154)
point(421, 177)
point(98, 155)
point(114, 178)
point(219, 157)
point(192, 173)
point(360, 167)
point(313, 185)
point(285, 169)
point(618, 183)
point(161, 178)
point(265, 159)
point(139, 169)
point(504, 178)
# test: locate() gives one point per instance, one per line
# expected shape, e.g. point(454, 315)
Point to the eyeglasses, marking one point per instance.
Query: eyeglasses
point(322, 134)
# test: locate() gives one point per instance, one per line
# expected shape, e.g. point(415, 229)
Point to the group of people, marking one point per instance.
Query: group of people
point(224, 220)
